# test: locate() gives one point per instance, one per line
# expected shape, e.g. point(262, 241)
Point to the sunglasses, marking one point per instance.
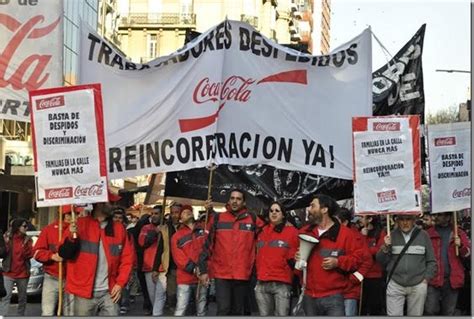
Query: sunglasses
point(275, 210)
point(24, 226)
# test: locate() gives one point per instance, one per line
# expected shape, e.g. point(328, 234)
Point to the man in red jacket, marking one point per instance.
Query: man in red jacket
point(353, 290)
point(230, 249)
point(336, 255)
point(46, 252)
point(186, 245)
point(99, 258)
point(443, 289)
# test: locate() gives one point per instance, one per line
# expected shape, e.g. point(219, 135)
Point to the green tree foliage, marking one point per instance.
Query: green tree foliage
point(448, 115)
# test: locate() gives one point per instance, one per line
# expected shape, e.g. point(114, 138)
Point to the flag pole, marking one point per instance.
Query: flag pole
point(209, 193)
point(388, 224)
point(455, 223)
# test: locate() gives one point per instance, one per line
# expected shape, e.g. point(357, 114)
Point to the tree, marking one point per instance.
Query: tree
point(448, 115)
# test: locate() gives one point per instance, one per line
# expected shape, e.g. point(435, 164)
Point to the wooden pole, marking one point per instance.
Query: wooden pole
point(388, 224)
point(209, 192)
point(60, 278)
point(163, 210)
point(455, 223)
point(361, 296)
point(73, 221)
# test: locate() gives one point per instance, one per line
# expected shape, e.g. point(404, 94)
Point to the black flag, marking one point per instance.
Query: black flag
point(397, 87)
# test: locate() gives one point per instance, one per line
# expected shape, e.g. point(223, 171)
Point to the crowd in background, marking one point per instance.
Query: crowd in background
point(244, 262)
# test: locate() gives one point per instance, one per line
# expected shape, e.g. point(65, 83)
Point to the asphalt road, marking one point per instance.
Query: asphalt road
point(33, 308)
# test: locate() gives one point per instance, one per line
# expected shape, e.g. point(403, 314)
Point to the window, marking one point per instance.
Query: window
point(152, 45)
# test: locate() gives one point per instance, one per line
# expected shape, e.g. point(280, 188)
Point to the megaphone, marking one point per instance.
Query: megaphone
point(307, 243)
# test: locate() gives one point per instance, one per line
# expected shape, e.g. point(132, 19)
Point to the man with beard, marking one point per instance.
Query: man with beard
point(151, 241)
point(230, 250)
point(336, 255)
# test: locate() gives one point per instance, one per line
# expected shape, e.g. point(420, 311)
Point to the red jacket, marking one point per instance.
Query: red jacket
point(148, 239)
point(186, 245)
point(17, 263)
point(456, 277)
point(340, 242)
point(275, 252)
point(374, 245)
point(47, 245)
point(230, 246)
point(83, 253)
point(352, 290)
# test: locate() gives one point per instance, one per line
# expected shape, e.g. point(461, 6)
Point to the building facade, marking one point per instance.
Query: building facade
point(151, 28)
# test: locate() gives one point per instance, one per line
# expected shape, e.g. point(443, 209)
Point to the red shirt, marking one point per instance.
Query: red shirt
point(21, 252)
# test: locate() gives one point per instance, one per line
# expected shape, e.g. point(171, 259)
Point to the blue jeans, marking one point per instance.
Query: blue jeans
point(21, 285)
point(273, 298)
point(184, 293)
point(99, 305)
point(350, 307)
point(441, 301)
point(325, 306)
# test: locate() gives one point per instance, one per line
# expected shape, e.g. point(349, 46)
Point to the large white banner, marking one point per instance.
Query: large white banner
point(234, 97)
point(450, 166)
point(31, 50)
point(68, 141)
point(386, 165)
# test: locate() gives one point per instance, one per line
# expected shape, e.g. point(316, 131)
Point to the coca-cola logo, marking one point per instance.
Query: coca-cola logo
point(57, 193)
point(445, 141)
point(29, 74)
point(386, 126)
point(466, 192)
point(92, 190)
point(234, 88)
point(55, 101)
point(387, 196)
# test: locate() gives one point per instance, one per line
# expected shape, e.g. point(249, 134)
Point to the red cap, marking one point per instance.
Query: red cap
point(66, 209)
point(113, 197)
point(186, 207)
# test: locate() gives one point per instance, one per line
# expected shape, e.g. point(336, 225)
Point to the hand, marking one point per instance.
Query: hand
point(204, 280)
point(116, 293)
point(154, 276)
point(364, 231)
point(297, 255)
point(329, 263)
point(208, 205)
point(425, 281)
point(457, 241)
point(56, 257)
point(387, 240)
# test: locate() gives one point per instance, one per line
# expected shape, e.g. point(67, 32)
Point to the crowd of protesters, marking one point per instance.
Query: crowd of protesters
point(246, 263)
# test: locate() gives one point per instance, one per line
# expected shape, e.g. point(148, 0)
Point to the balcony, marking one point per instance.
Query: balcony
point(293, 29)
point(252, 20)
point(167, 19)
point(295, 37)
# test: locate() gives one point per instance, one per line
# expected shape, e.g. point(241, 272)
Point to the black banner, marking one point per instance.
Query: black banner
point(262, 185)
point(397, 89)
